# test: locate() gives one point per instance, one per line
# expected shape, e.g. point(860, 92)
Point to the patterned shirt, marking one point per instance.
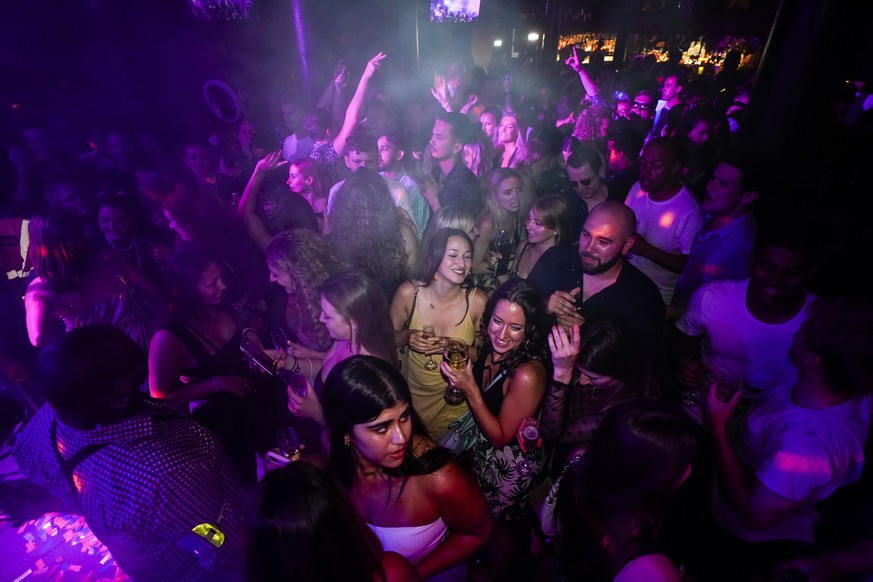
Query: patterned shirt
point(151, 479)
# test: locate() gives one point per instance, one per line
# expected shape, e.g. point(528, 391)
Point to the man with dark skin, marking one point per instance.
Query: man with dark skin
point(668, 216)
point(742, 328)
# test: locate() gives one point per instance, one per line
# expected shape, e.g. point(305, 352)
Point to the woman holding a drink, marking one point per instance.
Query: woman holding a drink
point(505, 388)
point(434, 305)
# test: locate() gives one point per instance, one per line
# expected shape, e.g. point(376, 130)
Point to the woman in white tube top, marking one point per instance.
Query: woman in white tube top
point(415, 498)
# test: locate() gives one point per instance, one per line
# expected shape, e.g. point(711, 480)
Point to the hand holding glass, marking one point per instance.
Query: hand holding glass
point(427, 332)
point(456, 355)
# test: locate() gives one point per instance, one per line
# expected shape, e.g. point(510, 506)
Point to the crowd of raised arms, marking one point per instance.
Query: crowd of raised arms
point(525, 329)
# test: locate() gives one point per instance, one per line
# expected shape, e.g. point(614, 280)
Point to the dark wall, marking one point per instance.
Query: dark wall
point(144, 62)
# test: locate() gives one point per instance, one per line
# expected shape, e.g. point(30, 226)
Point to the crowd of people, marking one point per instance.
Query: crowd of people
point(644, 357)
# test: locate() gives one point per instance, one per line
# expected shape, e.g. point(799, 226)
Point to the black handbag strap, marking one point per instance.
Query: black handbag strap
point(411, 311)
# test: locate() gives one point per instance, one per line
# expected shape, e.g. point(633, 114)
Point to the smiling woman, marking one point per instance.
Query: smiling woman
point(438, 297)
point(505, 390)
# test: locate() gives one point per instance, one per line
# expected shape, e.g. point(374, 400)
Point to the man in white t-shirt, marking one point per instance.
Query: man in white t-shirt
point(799, 443)
point(668, 216)
point(742, 329)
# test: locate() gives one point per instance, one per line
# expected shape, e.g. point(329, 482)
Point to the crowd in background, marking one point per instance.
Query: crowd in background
point(695, 372)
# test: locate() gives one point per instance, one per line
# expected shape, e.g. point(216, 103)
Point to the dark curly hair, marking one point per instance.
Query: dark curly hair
point(536, 330)
point(365, 229)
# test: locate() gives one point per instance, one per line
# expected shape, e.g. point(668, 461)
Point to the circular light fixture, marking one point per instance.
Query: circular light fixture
point(533, 37)
point(498, 42)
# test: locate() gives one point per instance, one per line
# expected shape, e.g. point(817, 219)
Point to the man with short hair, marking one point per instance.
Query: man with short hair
point(721, 249)
point(153, 484)
point(298, 143)
point(671, 90)
point(742, 329)
point(596, 279)
point(453, 183)
point(392, 154)
point(668, 216)
point(587, 188)
point(362, 152)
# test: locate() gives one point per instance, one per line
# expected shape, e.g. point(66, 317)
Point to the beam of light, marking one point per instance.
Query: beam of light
point(300, 34)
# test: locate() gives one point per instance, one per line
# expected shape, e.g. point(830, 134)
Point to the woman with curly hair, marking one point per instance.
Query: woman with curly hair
point(300, 261)
point(591, 125)
point(366, 229)
point(505, 390)
point(501, 226)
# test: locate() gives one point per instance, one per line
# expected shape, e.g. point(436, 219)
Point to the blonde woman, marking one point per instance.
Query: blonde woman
point(501, 226)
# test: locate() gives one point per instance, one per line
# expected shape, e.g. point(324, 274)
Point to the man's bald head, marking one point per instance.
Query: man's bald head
point(617, 213)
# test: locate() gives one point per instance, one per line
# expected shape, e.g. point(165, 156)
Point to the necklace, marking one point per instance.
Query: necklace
point(131, 247)
point(433, 305)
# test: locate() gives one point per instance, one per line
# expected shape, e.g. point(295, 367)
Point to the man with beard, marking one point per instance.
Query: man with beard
point(600, 281)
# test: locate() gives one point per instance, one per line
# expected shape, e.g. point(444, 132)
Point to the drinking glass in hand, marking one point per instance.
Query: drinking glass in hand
point(531, 436)
point(428, 331)
point(457, 355)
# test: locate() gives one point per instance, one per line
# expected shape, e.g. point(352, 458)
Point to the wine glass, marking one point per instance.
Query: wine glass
point(428, 331)
point(457, 355)
point(287, 443)
point(280, 340)
point(531, 436)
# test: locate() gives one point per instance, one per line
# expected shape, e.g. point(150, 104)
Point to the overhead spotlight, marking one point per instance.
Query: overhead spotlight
point(533, 37)
point(498, 42)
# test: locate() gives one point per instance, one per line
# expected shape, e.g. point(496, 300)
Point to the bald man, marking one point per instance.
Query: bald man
point(599, 280)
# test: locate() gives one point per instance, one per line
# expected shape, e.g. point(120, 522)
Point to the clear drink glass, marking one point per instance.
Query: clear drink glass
point(428, 330)
point(457, 354)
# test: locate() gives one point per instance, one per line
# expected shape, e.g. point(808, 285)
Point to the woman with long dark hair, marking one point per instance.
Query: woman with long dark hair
point(504, 390)
point(301, 516)
point(613, 501)
point(355, 313)
point(195, 362)
point(417, 501)
point(607, 366)
point(436, 304)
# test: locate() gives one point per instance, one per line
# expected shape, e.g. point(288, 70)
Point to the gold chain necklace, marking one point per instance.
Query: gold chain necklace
point(453, 301)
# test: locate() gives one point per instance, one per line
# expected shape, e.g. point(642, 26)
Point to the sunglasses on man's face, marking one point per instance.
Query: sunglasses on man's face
point(644, 106)
point(584, 183)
